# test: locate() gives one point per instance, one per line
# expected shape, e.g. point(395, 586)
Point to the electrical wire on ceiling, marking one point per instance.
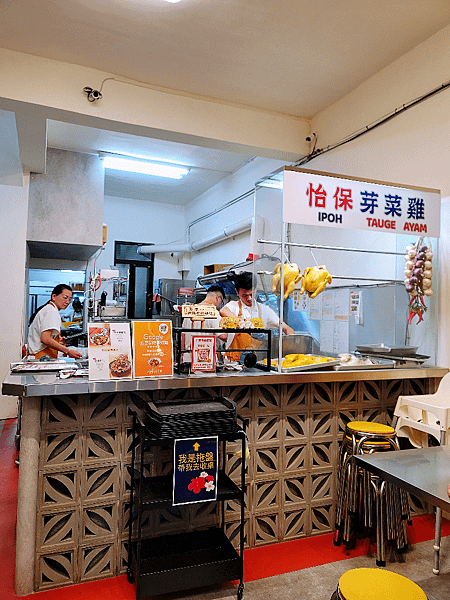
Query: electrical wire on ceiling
point(398, 111)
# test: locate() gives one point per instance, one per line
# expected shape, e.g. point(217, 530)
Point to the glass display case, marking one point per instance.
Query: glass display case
point(342, 245)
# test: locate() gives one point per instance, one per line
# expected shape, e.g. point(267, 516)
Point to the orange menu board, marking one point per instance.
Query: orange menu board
point(152, 348)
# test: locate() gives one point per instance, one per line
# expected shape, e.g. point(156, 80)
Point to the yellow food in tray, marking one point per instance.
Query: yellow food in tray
point(229, 322)
point(257, 323)
point(238, 323)
point(300, 360)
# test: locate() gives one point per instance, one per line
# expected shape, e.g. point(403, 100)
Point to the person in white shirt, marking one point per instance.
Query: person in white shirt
point(45, 326)
point(215, 296)
point(243, 308)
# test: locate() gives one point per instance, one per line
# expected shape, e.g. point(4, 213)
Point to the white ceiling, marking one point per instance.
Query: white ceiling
point(293, 56)
point(207, 166)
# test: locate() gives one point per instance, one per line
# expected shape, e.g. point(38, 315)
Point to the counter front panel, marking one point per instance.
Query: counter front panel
point(80, 445)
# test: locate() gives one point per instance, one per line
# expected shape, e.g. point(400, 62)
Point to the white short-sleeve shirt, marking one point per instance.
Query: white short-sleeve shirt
point(262, 311)
point(47, 319)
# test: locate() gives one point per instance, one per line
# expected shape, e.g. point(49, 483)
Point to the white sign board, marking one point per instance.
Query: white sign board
point(199, 310)
point(325, 200)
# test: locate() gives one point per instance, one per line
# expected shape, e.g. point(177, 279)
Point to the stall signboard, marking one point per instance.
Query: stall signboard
point(195, 470)
point(203, 311)
point(152, 348)
point(313, 198)
point(203, 353)
point(109, 351)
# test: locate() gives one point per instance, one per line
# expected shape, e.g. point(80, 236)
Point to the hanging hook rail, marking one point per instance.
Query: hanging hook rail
point(347, 277)
point(318, 247)
point(350, 278)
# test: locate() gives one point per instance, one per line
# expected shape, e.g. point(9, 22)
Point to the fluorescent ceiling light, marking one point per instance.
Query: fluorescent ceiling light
point(172, 1)
point(135, 165)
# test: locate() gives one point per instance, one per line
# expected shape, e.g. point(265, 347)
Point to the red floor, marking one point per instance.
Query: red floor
point(259, 562)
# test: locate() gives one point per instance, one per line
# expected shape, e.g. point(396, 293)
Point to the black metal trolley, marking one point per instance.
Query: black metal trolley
point(190, 559)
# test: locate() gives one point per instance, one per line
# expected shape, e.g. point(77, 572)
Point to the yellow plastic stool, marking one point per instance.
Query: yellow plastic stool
point(370, 427)
point(377, 584)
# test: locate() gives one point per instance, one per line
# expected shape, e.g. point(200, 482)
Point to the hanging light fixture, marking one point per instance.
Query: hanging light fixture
point(132, 164)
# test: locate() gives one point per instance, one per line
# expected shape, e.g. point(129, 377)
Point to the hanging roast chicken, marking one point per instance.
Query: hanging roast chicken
point(314, 280)
point(292, 275)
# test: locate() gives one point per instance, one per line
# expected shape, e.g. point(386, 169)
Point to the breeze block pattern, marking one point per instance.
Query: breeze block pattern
point(293, 431)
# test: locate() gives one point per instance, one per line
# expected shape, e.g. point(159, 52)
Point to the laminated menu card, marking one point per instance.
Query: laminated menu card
point(109, 351)
point(152, 348)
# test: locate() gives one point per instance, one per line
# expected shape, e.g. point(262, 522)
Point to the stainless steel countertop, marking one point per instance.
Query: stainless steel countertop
point(424, 472)
point(49, 384)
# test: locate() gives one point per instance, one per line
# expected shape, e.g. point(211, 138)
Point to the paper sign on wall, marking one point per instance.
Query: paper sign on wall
point(356, 307)
point(300, 302)
point(152, 348)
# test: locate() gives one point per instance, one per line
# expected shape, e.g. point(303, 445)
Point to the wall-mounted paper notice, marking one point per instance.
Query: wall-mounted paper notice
point(315, 308)
point(356, 306)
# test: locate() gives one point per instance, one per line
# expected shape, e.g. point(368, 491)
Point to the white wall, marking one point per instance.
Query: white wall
point(13, 227)
point(236, 249)
point(28, 80)
point(412, 148)
point(131, 220)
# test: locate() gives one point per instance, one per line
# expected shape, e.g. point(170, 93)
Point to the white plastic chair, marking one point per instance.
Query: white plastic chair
point(421, 416)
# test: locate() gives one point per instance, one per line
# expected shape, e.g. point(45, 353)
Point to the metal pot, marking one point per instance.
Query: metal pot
point(111, 311)
point(297, 343)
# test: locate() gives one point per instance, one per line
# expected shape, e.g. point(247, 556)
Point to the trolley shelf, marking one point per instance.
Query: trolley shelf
point(184, 561)
point(157, 491)
point(161, 564)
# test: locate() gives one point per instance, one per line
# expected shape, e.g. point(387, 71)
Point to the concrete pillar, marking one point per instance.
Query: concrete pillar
point(27, 496)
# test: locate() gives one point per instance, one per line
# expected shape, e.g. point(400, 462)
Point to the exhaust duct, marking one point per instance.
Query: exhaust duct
point(228, 232)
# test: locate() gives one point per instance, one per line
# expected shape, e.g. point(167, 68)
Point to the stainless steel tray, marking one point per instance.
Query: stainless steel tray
point(384, 364)
point(383, 349)
point(38, 366)
point(313, 367)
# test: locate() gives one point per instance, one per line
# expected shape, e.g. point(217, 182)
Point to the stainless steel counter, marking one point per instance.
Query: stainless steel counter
point(49, 384)
point(75, 453)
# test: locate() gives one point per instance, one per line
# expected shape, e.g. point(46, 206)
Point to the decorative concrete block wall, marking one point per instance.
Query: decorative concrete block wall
point(293, 436)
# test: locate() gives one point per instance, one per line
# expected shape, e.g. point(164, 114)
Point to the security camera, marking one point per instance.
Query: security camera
point(92, 95)
point(311, 137)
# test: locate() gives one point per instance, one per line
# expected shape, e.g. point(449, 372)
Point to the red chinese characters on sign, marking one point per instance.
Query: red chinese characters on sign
point(317, 197)
point(343, 199)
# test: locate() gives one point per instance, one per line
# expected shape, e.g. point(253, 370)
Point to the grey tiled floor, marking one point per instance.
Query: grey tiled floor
point(318, 583)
